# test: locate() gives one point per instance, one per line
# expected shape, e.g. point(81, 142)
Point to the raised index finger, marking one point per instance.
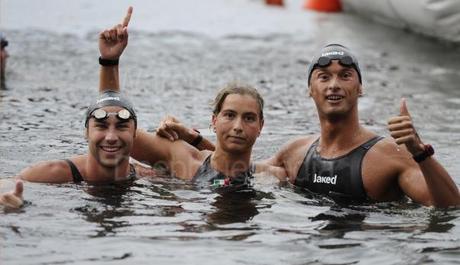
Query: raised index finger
point(127, 18)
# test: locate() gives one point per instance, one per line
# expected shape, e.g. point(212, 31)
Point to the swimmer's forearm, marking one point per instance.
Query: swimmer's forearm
point(109, 78)
point(443, 189)
point(264, 168)
point(170, 128)
point(205, 145)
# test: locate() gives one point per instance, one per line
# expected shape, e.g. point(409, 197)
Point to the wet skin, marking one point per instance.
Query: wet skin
point(238, 124)
point(110, 140)
point(335, 90)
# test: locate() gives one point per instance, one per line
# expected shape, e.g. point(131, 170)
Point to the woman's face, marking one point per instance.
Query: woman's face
point(238, 124)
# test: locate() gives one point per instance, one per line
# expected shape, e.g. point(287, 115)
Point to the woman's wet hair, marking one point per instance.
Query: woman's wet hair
point(240, 89)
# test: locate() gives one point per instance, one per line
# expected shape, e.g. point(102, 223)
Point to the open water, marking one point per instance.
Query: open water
point(180, 52)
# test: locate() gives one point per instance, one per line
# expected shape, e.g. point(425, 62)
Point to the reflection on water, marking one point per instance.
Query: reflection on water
point(340, 221)
point(233, 207)
point(111, 203)
point(441, 222)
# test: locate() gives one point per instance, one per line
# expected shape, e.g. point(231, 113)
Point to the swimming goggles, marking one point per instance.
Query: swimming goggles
point(101, 114)
point(325, 61)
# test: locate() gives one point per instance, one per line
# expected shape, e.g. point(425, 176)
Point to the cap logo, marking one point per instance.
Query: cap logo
point(333, 53)
point(107, 98)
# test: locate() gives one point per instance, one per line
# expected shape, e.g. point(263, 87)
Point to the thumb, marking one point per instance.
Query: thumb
point(19, 188)
point(403, 111)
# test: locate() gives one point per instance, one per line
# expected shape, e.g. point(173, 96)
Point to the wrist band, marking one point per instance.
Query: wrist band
point(427, 152)
point(198, 139)
point(107, 62)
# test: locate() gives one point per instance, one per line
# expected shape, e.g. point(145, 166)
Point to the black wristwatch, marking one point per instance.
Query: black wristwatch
point(107, 62)
point(198, 139)
point(427, 152)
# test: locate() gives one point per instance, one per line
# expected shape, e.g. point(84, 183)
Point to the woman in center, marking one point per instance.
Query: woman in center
point(237, 120)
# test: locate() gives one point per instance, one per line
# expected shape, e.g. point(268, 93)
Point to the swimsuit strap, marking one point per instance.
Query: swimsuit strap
point(367, 145)
point(132, 172)
point(77, 177)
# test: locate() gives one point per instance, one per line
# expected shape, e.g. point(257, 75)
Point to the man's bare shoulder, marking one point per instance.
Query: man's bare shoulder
point(388, 148)
point(53, 171)
point(382, 166)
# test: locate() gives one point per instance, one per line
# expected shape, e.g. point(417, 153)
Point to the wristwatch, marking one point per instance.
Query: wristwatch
point(198, 139)
point(108, 62)
point(427, 152)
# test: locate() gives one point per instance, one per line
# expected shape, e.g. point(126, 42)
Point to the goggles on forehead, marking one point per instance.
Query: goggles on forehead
point(324, 61)
point(101, 114)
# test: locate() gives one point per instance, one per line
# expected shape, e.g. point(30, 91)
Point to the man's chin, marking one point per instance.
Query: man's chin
point(111, 163)
point(336, 113)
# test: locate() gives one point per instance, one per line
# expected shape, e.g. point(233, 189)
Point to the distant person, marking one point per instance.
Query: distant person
point(3, 58)
point(111, 124)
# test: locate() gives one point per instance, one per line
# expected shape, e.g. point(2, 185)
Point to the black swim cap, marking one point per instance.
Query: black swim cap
point(3, 41)
point(333, 52)
point(111, 98)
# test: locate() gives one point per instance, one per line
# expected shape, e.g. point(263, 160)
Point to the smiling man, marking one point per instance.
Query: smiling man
point(349, 162)
point(111, 124)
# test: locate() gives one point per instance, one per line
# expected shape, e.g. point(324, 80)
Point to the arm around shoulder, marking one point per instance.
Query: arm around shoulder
point(178, 156)
point(277, 171)
point(284, 164)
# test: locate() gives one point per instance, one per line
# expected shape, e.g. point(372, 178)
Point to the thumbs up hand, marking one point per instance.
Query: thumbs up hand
point(13, 199)
point(402, 130)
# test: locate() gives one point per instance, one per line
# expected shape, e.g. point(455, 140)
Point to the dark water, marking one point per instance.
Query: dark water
point(53, 73)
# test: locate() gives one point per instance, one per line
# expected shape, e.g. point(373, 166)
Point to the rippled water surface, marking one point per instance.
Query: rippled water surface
point(176, 68)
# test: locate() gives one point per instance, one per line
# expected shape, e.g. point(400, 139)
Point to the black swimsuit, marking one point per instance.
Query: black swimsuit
point(206, 176)
point(339, 177)
point(77, 177)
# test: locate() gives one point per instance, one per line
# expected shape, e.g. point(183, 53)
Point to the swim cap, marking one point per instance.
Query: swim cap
point(333, 52)
point(3, 41)
point(111, 98)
